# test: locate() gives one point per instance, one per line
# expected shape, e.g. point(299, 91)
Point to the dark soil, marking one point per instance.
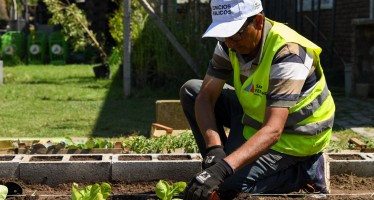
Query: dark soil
point(6, 158)
point(133, 157)
point(45, 158)
point(174, 157)
point(342, 187)
point(346, 157)
point(84, 158)
point(59, 158)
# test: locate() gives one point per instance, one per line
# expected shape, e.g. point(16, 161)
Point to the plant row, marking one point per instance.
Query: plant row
point(184, 142)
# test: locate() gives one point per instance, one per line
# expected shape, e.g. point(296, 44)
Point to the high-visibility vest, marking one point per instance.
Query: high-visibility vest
point(309, 124)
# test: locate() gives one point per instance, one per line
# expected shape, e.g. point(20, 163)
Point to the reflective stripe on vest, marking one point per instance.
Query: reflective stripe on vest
point(309, 125)
point(302, 114)
point(307, 129)
point(308, 110)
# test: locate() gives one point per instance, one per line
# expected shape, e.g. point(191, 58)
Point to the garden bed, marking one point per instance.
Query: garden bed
point(342, 187)
point(134, 176)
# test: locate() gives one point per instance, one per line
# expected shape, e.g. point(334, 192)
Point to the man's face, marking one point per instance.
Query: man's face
point(248, 41)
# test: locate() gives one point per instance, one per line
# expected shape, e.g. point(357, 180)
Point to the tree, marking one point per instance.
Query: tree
point(75, 27)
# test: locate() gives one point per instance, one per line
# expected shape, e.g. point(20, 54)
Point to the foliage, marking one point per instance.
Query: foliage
point(32, 2)
point(91, 192)
point(3, 192)
point(74, 25)
point(154, 59)
point(139, 17)
point(116, 57)
point(67, 16)
point(186, 141)
point(89, 144)
point(168, 143)
point(164, 191)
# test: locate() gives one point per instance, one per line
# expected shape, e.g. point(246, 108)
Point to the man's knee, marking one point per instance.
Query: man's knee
point(189, 90)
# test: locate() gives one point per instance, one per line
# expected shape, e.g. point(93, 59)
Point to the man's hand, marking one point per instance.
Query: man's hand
point(213, 155)
point(202, 185)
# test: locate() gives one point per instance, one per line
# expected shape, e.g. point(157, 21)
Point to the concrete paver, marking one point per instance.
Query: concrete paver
point(355, 114)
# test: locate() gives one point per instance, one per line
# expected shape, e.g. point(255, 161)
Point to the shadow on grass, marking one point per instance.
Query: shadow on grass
point(67, 80)
point(120, 117)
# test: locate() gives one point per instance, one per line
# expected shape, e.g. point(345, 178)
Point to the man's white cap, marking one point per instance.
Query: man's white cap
point(228, 16)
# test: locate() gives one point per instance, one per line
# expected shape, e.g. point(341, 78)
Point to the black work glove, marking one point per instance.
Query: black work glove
point(213, 155)
point(206, 182)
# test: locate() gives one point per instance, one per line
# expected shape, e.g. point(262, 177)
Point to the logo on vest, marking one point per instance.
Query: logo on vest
point(256, 89)
point(250, 88)
point(221, 9)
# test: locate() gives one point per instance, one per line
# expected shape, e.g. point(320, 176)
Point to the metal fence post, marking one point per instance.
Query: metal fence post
point(127, 48)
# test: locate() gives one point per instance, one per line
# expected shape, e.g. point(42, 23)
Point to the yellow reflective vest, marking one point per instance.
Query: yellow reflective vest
point(309, 124)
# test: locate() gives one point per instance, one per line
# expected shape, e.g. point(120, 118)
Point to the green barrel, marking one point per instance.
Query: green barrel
point(36, 48)
point(12, 47)
point(57, 49)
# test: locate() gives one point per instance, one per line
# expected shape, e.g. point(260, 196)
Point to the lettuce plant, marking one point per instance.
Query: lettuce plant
point(91, 192)
point(3, 192)
point(164, 191)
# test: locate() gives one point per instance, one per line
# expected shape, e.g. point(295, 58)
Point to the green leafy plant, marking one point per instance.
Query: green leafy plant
point(89, 144)
point(154, 60)
point(75, 25)
point(3, 192)
point(165, 191)
point(164, 143)
point(91, 192)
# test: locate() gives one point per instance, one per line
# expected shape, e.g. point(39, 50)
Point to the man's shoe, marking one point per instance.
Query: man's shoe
point(318, 171)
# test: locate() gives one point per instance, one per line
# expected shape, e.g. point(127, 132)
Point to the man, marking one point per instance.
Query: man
point(280, 112)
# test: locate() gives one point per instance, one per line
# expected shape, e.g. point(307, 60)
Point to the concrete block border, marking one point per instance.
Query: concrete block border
point(63, 168)
point(9, 165)
point(178, 167)
point(360, 164)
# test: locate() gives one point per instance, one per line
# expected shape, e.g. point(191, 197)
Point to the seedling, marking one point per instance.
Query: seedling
point(164, 191)
point(91, 192)
point(3, 192)
point(89, 144)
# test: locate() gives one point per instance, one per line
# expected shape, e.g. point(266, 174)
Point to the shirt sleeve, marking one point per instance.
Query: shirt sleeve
point(291, 76)
point(220, 65)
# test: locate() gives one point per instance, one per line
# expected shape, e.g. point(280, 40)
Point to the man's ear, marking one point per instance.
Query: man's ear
point(258, 21)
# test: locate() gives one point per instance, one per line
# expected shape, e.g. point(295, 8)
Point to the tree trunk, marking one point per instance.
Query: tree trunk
point(3, 11)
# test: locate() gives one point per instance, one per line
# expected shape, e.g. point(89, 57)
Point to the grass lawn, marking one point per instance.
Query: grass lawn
point(59, 101)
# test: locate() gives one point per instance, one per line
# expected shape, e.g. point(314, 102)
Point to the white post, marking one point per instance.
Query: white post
point(127, 48)
point(1, 72)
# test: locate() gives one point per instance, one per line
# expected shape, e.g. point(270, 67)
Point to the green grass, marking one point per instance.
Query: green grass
point(58, 101)
point(340, 140)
